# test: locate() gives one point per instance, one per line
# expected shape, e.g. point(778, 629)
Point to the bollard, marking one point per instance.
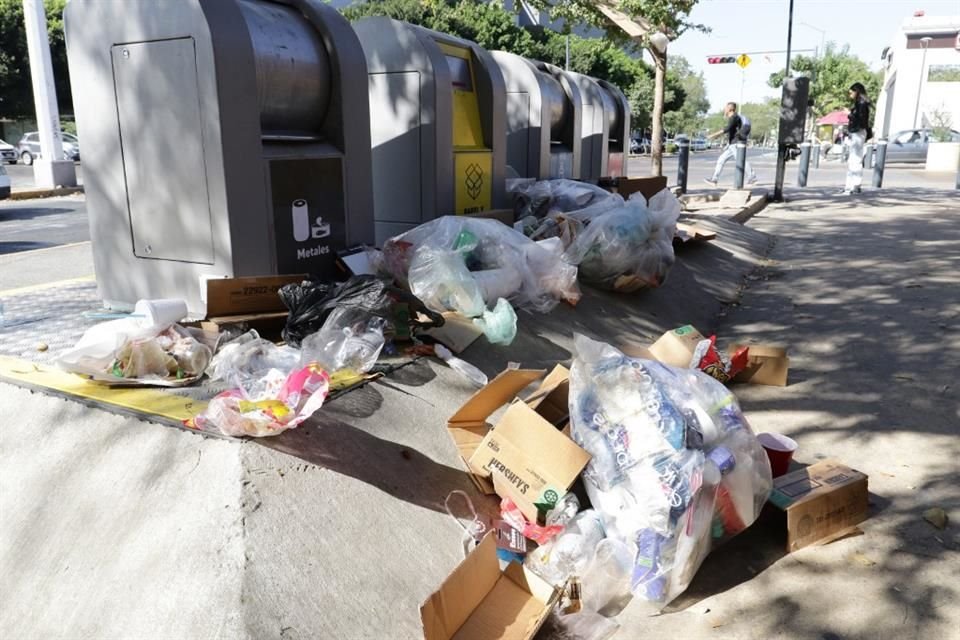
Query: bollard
point(804, 164)
point(868, 156)
point(879, 163)
point(741, 163)
point(816, 156)
point(682, 162)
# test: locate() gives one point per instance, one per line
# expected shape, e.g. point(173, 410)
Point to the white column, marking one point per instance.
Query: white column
point(51, 169)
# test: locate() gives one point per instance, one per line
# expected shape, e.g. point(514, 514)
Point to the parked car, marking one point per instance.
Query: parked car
point(911, 145)
point(29, 147)
point(8, 153)
point(698, 144)
point(4, 183)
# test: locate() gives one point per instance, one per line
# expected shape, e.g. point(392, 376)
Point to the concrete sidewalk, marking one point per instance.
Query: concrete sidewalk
point(114, 528)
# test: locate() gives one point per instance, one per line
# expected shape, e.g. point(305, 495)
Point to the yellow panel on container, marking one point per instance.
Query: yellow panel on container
point(467, 130)
point(473, 173)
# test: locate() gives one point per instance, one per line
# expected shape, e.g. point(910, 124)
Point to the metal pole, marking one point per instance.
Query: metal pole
point(923, 63)
point(804, 167)
point(567, 65)
point(50, 170)
point(868, 156)
point(816, 156)
point(781, 147)
point(682, 162)
point(741, 163)
point(879, 164)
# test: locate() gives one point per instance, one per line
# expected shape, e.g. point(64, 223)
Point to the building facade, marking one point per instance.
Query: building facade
point(921, 85)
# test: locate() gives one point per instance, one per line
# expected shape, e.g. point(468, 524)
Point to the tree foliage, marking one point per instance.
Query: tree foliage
point(16, 90)
point(492, 27)
point(688, 116)
point(831, 76)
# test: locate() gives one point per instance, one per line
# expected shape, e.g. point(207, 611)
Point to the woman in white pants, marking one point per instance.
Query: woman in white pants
point(858, 128)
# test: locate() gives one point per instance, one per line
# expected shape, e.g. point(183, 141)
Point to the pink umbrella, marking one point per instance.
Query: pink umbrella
point(835, 117)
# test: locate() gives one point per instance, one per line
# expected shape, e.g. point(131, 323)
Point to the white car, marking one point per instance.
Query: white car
point(8, 153)
point(4, 183)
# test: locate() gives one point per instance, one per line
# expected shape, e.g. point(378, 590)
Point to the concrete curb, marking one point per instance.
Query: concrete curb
point(32, 194)
point(755, 206)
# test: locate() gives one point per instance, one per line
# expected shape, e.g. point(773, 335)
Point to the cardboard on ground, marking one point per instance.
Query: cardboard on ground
point(822, 502)
point(479, 602)
point(767, 364)
point(536, 463)
point(253, 300)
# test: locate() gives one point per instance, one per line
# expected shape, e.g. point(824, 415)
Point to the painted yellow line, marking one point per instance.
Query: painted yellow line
point(46, 285)
point(147, 401)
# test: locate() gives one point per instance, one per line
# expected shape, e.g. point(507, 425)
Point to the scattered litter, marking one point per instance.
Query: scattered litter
point(936, 516)
point(859, 558)
point(464, 368)
point(350, 339)
point(42, 347)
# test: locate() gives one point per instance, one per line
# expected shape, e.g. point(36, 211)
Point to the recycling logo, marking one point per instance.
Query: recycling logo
point(474, 180)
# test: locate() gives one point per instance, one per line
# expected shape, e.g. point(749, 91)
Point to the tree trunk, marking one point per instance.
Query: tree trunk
point(656, 138)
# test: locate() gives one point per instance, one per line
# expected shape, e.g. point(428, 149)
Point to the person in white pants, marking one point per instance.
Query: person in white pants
point(858, 128)
point(734, 134)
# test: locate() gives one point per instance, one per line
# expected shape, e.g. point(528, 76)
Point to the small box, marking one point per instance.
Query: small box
point(821, 502)
point(765, 365)
point(676, 348)
point(251, 300)
point(479, 602)
point(535, 461)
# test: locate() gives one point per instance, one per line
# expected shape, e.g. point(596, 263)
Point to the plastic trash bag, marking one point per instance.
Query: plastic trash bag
point(456, 263)
point(311, 302)
point(571, 552)
point(272, 404)
point(500, 324)
point(542, 198)
point(248, 358)
point(349, 339)
point(675, 467)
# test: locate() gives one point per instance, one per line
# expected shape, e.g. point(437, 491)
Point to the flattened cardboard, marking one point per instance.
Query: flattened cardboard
point(457, 333)
point(479, 602)
point(537, 461)
point(692, 233)
point(766, 365)
point(676, 347)
point(239, 296)
point(648, 186)
point(820, 502)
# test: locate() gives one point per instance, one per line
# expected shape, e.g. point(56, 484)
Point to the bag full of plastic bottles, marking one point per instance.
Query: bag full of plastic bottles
point(675, 467)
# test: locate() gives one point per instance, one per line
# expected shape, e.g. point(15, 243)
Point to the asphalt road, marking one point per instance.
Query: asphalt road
point(39, 224)
point(21, 176)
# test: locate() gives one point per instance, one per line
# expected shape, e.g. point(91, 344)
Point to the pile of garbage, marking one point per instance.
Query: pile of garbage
point(623, 245)
point(482, 269)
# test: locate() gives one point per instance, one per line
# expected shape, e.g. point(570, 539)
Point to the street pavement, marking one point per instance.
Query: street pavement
point(21, 176)
point(113, 527)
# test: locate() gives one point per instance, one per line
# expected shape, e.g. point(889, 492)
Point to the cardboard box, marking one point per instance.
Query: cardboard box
point(534, 461)
point(252, 300)
point(676, 348)
point(766, 365)
point(479, 602)
point(649, 186)
point(691, 233)
point(821, 502)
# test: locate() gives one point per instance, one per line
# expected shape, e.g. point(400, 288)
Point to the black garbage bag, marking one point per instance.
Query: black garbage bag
point(311, 301)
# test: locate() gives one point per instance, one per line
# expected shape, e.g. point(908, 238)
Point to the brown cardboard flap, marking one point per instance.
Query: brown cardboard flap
point(527, 430)
point(766, 364)
point(676, 347)
point(648, 186)
point(256, 294)
point(498, 392)
point(457, 333)
point(446, 611)
point(692, 233)
point(551, 399)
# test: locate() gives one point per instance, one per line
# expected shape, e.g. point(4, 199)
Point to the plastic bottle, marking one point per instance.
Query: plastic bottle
point(464, 368)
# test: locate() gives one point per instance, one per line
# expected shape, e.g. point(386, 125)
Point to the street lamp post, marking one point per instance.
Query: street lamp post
point(925, 43)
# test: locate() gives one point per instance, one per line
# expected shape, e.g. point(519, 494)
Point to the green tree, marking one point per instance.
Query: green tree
point(688, 116)
point(16, 90)
point(830, 78)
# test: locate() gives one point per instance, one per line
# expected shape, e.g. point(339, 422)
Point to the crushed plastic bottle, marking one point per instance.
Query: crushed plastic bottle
point(464, 368)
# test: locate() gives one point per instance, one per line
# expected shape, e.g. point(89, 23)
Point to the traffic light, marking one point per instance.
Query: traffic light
point(721, 59)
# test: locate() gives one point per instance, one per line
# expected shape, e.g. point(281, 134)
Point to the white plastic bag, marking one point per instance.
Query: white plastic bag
point(349, 339)
point(675, 467)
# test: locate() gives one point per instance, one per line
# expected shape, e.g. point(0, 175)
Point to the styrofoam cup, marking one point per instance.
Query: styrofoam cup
point(162, 312)
point(779, 450)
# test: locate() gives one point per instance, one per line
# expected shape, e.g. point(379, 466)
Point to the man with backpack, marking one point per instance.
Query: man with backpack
point(737, 130)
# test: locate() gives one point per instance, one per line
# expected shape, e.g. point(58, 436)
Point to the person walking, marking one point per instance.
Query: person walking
point(736, 130)
point(858, 132)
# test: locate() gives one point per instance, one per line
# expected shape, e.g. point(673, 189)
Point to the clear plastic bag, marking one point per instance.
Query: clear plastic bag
point(456, 263)
point(247, 359)
point(349, 339)
point(571, 552)
point(675, 467)
point(500, 324)
point(545, 197)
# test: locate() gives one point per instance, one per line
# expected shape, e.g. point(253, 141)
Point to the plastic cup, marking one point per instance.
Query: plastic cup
point(162, 312)
point(779, 450)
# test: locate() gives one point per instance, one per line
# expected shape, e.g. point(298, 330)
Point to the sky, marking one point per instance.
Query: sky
point(740, 26)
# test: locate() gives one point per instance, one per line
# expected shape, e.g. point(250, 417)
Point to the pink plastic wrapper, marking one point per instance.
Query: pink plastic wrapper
point(512, 515)
point(285, 404)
